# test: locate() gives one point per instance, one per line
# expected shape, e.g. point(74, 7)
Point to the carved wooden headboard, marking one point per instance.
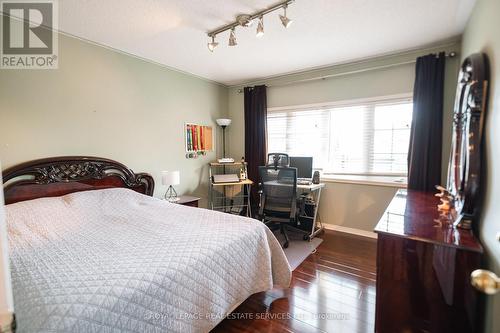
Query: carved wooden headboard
point(58, 176)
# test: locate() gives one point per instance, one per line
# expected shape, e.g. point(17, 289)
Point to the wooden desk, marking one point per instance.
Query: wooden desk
point(241, 182)
point(423, 269)
point(226, 202)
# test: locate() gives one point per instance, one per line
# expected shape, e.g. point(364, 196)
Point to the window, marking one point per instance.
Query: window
point(362, 138)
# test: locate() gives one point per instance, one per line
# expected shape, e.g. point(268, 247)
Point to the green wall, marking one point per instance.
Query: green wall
point(381, 76)
point(356, 206)
point(105, 103)
point(482, 34)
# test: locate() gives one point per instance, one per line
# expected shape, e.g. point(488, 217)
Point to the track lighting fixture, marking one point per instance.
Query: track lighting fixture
point(284, 19)
point(260, 27)
point(232, 38)
point(246, 21)
point(212, 45)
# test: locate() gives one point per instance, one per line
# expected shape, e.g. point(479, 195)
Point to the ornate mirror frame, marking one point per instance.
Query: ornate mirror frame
point(464, 168)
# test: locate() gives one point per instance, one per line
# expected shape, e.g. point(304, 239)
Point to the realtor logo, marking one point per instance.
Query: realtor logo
point(29, 37)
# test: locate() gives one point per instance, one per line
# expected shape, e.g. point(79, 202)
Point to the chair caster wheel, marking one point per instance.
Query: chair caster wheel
point(306, 237)
point(285, 245)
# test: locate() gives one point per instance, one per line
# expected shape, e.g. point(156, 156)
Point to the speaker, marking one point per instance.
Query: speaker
point(316, 177)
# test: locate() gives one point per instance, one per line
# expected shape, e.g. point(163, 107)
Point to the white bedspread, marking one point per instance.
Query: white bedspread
point(117, 261)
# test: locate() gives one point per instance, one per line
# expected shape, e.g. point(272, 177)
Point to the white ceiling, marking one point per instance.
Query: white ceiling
point(324, 32)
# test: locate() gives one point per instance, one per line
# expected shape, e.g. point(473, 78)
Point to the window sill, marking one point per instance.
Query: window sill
point(387, 181)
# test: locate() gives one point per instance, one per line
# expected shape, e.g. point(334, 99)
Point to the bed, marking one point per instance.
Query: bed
point(92, 251)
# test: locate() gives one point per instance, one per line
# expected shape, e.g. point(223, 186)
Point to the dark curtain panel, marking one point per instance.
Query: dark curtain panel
point(255, 133)
point(424, 154)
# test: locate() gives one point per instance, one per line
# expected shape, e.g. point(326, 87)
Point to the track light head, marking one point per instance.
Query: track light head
point(284, 19)
point(260, 27)
point(244, 20)
point(232, 38)
point(212, 45)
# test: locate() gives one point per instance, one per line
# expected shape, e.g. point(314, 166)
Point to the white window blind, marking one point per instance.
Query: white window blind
point(355, 138)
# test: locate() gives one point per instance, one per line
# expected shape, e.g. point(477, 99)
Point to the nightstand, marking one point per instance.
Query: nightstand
point(187, 200)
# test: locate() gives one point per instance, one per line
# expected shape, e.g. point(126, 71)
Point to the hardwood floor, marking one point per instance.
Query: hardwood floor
point(333, 290)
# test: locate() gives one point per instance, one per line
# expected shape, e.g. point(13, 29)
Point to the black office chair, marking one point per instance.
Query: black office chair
point(278, 160)
point(278, 201)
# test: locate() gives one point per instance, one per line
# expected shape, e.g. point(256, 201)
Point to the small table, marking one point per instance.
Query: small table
point(315, 190)
point(187, 200)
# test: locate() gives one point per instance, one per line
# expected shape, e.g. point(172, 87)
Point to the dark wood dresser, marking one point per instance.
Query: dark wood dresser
point(423, 269)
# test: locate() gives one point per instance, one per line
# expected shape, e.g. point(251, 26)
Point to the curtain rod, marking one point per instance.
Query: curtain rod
point(452, 54)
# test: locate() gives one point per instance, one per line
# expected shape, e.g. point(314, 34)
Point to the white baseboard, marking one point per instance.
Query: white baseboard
point(347, 230)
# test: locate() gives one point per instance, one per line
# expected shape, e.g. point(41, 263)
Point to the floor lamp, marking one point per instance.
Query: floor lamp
point(223, 122)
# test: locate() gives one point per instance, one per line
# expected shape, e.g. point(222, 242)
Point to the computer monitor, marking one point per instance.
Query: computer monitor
point(304, 166)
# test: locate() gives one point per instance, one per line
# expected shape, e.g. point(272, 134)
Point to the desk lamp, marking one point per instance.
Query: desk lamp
point(171, 178)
